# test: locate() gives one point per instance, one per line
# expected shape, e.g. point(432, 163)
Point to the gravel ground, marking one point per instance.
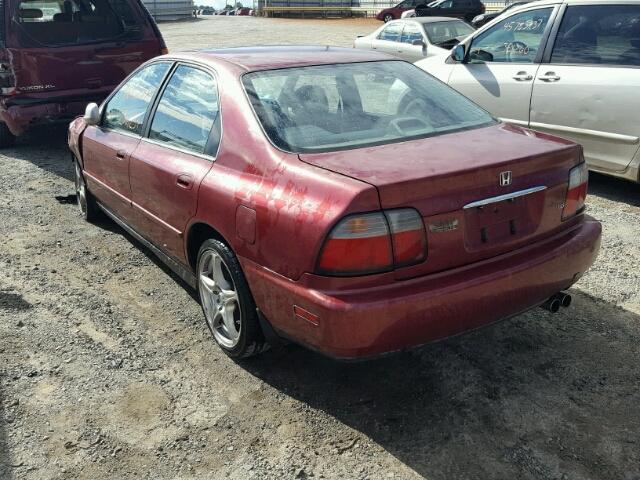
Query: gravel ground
point(107, 370)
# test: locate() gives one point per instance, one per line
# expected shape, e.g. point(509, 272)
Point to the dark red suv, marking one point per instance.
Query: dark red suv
point(57, 55)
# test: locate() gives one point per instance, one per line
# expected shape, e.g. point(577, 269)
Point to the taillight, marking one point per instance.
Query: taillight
point(408, 237)
point(576, 191)
point(164, 51)
point(374, 242)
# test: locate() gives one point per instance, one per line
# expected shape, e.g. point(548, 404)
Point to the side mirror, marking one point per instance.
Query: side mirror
point(92, 114)
point(419, 43)
point(458, 53)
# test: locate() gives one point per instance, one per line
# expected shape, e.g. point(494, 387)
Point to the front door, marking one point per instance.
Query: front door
point(174, 156)
point(412, 33)
point(388, 40)
point(590, 90)
point(501, 65)
point(107, 147)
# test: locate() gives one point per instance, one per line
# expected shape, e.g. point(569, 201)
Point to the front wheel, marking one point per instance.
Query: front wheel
point(88, 207)
point(227, 302)
point(388, 17)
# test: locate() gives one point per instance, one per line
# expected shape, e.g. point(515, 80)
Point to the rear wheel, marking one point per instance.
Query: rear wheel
point(7, 139)
point(88, 207)
point(388, 17)
point(227, 302)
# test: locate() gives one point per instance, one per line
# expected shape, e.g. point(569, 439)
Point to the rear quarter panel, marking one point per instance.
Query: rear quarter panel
point(295, 204)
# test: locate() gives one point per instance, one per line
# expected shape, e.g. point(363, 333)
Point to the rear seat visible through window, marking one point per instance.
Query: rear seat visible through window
point(77, 21)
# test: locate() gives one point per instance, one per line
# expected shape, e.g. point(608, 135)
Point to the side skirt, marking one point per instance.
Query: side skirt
point(184, 273)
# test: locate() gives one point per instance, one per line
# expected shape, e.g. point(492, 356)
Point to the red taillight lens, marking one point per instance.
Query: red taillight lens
point(358, 244)
point(577, 190)
point(407, 234)
point(374, 242)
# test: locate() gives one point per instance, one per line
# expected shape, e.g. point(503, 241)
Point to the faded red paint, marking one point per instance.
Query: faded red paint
point(296, 201)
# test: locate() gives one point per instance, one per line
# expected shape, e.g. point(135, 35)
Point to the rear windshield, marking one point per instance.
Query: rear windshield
point(442, 32)
point(335, 107)
point(73, 22)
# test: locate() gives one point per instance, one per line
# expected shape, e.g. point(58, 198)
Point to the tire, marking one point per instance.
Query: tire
point(227, 303)
point(388, 17)
point(7, 139)
point(86, 202)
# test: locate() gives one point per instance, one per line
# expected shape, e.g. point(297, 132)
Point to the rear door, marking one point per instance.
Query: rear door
point(502, 63)
point(589, 90)
point(63, 45)
point(107, 147)
point(176, 153)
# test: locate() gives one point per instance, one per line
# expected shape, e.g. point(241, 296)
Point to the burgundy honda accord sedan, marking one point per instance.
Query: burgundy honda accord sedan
point(338, 198)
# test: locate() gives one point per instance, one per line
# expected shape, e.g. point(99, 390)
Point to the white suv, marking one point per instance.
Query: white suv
point(571, 68)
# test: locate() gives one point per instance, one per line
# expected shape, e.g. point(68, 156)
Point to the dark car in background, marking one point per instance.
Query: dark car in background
point(395, 13)
point(485, 18)
point(464, 9)
point(58, 55)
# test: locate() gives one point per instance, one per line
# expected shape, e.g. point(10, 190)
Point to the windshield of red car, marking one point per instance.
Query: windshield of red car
point(334, 107)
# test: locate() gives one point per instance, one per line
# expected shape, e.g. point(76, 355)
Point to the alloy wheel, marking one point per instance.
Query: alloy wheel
point(219, 299)
point(81, 190)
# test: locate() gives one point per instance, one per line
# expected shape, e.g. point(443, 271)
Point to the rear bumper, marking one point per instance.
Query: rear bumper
point(22, 112)
point(371, 321)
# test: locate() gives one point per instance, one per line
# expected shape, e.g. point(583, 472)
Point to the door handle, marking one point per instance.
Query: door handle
point(523, 77)
point(184, 181)
point(121, 154)
point(549, 77)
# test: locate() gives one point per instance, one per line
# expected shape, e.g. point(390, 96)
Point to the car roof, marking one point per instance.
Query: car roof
point(577, 2)
point(274, 57)
point(429, 19)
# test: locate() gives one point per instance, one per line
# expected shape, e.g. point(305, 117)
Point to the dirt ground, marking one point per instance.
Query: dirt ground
point(107, 370)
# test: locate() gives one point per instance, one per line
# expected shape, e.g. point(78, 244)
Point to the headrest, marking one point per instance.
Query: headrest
point(30, 13)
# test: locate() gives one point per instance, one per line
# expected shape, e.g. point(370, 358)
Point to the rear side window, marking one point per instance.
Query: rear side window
point(187, 111)
point(73, 22)
point(599, 34)
point(126, 110)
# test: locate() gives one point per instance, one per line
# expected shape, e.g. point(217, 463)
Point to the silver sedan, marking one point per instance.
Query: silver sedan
point(413, 39)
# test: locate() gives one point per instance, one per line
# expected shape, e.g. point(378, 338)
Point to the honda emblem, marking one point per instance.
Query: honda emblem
point(505, 179)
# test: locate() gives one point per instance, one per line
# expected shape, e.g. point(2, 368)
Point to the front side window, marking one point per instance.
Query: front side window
point(377, 103)
point(391, 32)
point(187, 111)
point(126, 110)
point(74, 22)
point(443, 32)
point(411, 33)
point(599, 34)
point(515, 39)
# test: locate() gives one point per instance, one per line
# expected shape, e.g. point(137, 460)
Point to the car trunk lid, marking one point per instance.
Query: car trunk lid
point(454, 181)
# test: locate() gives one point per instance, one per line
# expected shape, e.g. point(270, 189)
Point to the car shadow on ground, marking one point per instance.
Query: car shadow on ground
point(537, 396)
point(614, 189)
